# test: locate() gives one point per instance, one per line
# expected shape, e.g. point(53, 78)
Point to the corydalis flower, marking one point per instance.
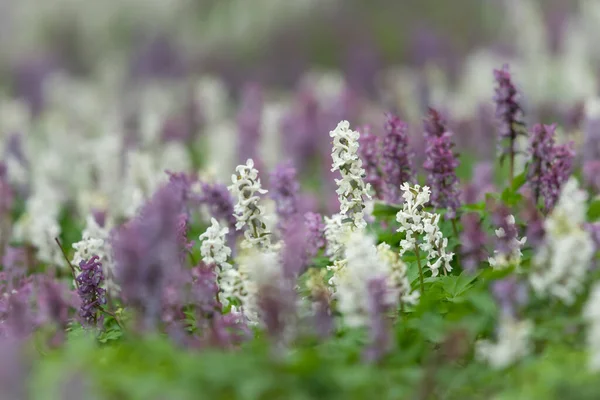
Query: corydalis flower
point(508, 111)
point(513, 343)
point(247, 188)
point(509, 294)
point(508, 245)
point(540, 151)
point(315, 233)
point(217, 198)
point(335, 235)
point(89, 289)
point(397, 279)
point(352, 189)
point(284, 191)
point(473, 240)
point(249, 121)
point(417, 223)
point(441, 163)
point(558, 174)
point(560, 266)
point(396, 159)
point(369, 151)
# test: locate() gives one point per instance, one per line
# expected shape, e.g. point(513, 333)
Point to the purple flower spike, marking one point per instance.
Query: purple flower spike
point(295, 251)
point(92, 295)
point(441, 163)
point(509, 294)
point(396, 158)
point(284, 191)
point(249, 122)
point(315, 233)
point(558, 174)
point(473, 240)
point(541, 152)
point(591, 175)
point(508, 113)
point(379, 321)
point(218, 199)
point(369, 152)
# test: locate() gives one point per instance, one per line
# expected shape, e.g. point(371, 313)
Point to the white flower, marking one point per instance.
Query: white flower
point(417, 223)
point(335, 235)
point(591, 313)
point(214, 250)
point(246, 188)
point(95, 242)
point(560, 265)
point(513, 343)
point(397, 275)
point(500, 260)
point(352, 189)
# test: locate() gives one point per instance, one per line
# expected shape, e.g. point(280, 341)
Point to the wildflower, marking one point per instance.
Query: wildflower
point(509, 294)
point(398, 280)
point(185, 245)
point(294, 254)
point(217, 198)
point(560, 265)
point(513, 343)
point(416, 223)
point(284, 191)
point(215, 251)
point(369, 151)
point(441, 163)
point(558, 174)
point(473, 240)
point(247, 188)
point(396, 158)
point(541, 152)
point(352, 190)
point(508, 245)
point(335, 235)
point(508, 112)
point(89, 289)
point(315, 233)
point(591, 314)
point(249, 121)
point(378, 308)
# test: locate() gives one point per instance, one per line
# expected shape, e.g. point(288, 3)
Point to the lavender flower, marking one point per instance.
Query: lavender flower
point(205, 289)
point(379, 322)
point(441, 163)
point(558, 174)
point(294, 257)
point(249, 121)
point(396, 158)
point(591, 175)
point(473, 240)
point(509, 294)
point(147, 253)
point(228, 330)
point(182, 229)
point(541, 152)
point(509, 114)
point(92, 295)
point(284, 191)
point(369, 151)
point(315, 228)
point(14, 370)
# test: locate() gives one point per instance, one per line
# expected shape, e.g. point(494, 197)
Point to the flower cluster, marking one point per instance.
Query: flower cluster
point(284, 191)
point(92, 295)
point(369, 151)
point(561, 263)
point(513, 343)
point(247, 188)
point(415, 222)
point(352, 189)
point(396, 158)
point(508, 245)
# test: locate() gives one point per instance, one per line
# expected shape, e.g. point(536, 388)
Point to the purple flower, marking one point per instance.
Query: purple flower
point(220, 205)
point(182, 230)
point(504, 222)
point(509, 294)
point(14, 369)
point(205, 289)
point(228, 330)
point(591, 174)
point(594, 231)
point(315, 230)
point(380, 342)
point(147, 252)
point(541, 152)
point(508, 112)
point(323, 316)
point(284, 191)
point(441, 163)
point(295, 256)
point(249, 119)
point(591, 143)
point(92, 295)
point(558, 174)
point(535, 222)
point(472, 240)
point(481, 183)
point(300, 129)
point(53, 301)
point(369, 152)
point(396, 158)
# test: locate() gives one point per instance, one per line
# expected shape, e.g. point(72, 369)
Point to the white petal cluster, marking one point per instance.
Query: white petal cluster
point(246, 188)
point(95, 242)
point(397, 275)
point(501, 261)
point(336, 233)
point(351, 277)
point(214, 250)
point(513, 343)
point(591, 314)
point(560, 265)
point(352, 189)
point(420, 224)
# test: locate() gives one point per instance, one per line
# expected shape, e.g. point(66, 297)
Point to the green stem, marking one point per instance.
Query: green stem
point(421, 279)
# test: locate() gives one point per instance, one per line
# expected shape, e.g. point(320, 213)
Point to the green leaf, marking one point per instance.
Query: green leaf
point(593, 212)
point(385, 210)
point(519, 181)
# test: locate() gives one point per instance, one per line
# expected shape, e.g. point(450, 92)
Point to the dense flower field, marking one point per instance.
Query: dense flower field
point(165, 239)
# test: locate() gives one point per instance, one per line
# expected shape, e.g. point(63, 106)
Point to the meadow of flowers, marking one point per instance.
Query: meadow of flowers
point(433, 238)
